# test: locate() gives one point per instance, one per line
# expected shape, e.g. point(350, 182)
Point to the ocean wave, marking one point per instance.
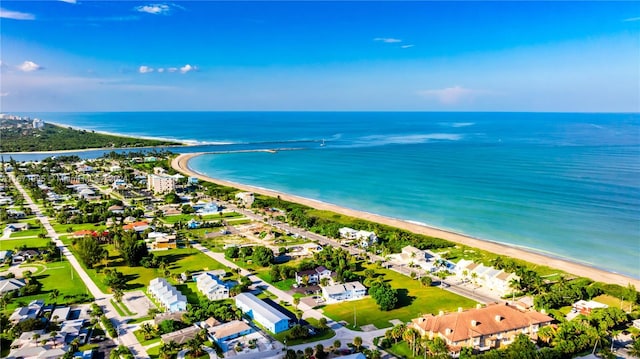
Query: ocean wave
point(408, 139)
point(456, 124)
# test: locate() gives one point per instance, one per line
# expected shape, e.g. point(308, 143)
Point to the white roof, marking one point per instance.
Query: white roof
point(259, 306)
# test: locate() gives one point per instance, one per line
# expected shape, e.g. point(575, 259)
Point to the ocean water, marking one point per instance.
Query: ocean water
point(563, 184)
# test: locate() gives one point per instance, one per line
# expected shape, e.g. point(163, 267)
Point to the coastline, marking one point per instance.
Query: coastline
point(181, 142)
point(180, 163)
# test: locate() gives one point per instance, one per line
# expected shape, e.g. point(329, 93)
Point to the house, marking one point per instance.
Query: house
point(17, 227)
point(245, 198)
point(151, 159)
point(586, 307)
point(495, 280)
point(364, 238)
point(139, 226)
point(160, 183)
point(84, 232)
point(266, 315)
point(167, 295)
point(12, 213)
point(10, 285)
point(314, 276)
point(5, 255)
point(22, 256)
point(227, 331)
point(61, 314)
point(4, 200)
point(181, 336)
point(206, 208)
point(482, 328)
point(88, 194)
point(193, 224)
point(163, 240)
point(33, 310)
point(211, 286)
point(346, 291)
point(116, 209)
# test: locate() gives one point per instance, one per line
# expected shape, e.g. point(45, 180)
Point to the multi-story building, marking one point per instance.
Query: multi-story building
point(161, 183)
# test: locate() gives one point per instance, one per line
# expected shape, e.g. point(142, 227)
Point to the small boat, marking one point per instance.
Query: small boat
point(322, 144)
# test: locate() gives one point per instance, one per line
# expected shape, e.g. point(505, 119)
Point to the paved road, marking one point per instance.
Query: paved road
point(453, 288)
point(126, 337)
point(343, 334)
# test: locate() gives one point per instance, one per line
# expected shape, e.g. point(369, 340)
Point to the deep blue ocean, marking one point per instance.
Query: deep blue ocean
point(563, 184)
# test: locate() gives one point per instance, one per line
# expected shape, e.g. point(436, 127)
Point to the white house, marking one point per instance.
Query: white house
point(245, 198)
point(346, 291)
point(313, 276)
point(10, 285)
point(493, 279)
point(167, 295)
point(365, 238)
point(211, 286)
point(266, 315)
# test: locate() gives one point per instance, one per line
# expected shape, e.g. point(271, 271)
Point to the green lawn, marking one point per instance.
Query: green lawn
point(70, 228)
point(12, 244)
point(179, 260)
point(144, 342)
point(401, 350)
point(33, 232)
point(282, 284)
point(56, 275)
point(414, 300)
point(190, 290)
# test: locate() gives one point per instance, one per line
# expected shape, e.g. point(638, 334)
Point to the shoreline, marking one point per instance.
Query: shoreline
point(180, 163)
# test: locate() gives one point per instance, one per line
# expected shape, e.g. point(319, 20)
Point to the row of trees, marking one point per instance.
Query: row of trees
point(259, 255)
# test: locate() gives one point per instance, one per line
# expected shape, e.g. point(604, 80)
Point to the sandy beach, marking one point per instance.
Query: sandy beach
point(180, 163)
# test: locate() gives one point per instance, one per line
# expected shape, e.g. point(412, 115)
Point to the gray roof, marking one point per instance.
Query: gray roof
point(11, 284)
point(259, 306)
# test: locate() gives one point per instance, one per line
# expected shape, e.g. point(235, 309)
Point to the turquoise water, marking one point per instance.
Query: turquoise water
point(565, 184)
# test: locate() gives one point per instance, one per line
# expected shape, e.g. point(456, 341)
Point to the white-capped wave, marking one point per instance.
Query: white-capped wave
point(409, 139)
point(457, 124)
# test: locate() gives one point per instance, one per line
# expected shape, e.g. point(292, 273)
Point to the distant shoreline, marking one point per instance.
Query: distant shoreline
point(180, 164)
point(180, 143)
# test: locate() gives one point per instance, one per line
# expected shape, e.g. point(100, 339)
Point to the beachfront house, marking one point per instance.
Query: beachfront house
point(493, 279)
point(245, 199)
point(587, 306)
point(267, 316)
point(341, 292)
point(482, 328)
point(364, 238)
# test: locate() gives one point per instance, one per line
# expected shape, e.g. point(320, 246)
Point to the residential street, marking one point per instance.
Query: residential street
point(126, 337)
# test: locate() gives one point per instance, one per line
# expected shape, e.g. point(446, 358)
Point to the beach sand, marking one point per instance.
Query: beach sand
point(180, 163)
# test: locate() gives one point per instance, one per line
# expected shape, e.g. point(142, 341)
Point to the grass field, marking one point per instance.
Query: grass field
point(12, 244)
point(613, 301)
point(414, 300)
point(179, 260)
point(56, 275)
point(209, 217)
point(70, 228)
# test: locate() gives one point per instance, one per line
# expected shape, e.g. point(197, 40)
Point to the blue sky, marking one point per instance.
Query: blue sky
point(414, 56)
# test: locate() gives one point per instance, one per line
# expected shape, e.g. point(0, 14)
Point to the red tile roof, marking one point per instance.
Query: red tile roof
point(485, 321)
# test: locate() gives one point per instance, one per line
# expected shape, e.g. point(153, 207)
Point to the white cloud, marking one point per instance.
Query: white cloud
point(29, 66)
point(155, 9)
point(70, 1)
point(407, 46)
point(4, 94)
point(632, 19)
point(161, 70)
point(172, 69)
point(450, 95)
point(15, 15)
point(388, 40)
point(145, 69)
point(186, 68)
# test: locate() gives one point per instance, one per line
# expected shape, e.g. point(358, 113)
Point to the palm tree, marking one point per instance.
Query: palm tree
point(148, 331)
point(118, 294)
point(410, 335)
point(168, 350)
point(195, 347)
point(357, 342)
point(635, 348)
point(397, 332)
point(296, 301)
point(336, 344)
point(53, 295)
point(35, 338)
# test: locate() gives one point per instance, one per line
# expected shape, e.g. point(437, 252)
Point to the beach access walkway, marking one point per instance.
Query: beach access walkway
point(125, 337)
